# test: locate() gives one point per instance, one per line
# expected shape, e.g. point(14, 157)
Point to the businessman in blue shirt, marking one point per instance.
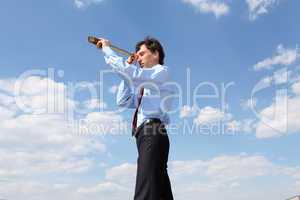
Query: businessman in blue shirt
point(144, 88)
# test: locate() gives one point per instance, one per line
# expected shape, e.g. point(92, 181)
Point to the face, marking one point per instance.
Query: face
point(146, 58)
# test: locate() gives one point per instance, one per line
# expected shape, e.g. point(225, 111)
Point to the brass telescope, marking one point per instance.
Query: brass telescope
point(95, 40)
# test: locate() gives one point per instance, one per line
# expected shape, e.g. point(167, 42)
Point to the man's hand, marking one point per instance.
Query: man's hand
point(132, 59)
point(103, 43)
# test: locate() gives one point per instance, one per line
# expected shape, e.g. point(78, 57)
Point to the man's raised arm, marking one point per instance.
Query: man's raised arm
point(115, 61)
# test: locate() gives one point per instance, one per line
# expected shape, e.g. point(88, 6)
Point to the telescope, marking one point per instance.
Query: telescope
point(95, 40)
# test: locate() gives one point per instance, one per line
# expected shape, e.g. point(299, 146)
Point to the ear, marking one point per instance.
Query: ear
point(156, 55)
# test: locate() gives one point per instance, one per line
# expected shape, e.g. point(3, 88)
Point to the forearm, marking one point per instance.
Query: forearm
point(117, 62)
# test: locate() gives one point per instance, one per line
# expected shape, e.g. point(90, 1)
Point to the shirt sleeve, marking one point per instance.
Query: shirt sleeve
point(125, 95)
point(117, 62)
point(155, 75)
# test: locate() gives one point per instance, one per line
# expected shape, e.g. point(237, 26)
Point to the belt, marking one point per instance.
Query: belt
point(152, 120)
point(148, 122)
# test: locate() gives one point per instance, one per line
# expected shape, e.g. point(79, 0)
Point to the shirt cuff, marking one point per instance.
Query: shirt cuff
point(108, 51)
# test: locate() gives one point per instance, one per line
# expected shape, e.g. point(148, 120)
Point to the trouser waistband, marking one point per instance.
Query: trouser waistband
point(149, 123)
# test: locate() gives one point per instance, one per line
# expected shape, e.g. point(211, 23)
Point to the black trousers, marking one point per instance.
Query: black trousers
point(152, 180)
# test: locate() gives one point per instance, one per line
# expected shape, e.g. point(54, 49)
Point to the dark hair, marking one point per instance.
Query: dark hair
point(153, 45)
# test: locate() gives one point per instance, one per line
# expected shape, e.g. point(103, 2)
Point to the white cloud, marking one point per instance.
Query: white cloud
point(225, 169)
point(31, 163)
point(44, 144)
point(36, 147)
point(6, 113)
point(283, 57)
point(28, 189)
point(35, 94)
point(41, 95)
point(215, 121)
point(280, 118)
point(47, 143)
point(106, 187)
point(209, 114)
point(84, 3)
point(265, 82)
point(209, 6)
point(6, 100)
point(234, 126)
point(282, 76)
point(35, 85)
point(187, 111)
point(7, 85)
point(259, 7)
point(229, 177)
point(118, 184)
point(279, 77)
point(104, 123)
point(122, 174)
point(221, 177)
point(94, 104)
point(296, 88)
point(241, 126)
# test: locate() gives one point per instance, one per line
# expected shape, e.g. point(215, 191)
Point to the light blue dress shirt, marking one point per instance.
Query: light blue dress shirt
point(157, 99)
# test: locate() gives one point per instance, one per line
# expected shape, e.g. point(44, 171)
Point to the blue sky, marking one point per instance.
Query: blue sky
point(246, 44)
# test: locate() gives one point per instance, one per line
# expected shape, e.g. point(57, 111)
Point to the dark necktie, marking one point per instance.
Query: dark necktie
point(134, 119)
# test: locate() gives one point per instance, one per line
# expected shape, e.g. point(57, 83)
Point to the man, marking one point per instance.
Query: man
point(144, 88)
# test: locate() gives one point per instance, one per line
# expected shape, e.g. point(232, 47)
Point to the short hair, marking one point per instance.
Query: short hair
point(153, 45)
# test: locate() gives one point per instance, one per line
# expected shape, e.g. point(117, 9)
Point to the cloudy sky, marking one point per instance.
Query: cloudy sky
point(234, 127)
